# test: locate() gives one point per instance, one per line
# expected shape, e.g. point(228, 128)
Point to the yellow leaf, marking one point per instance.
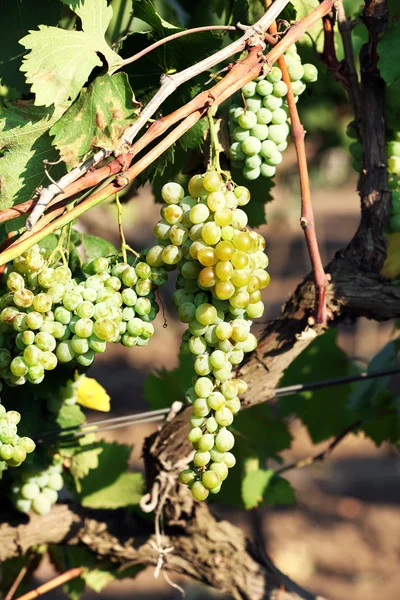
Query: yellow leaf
point(92, 395)
point(391, 268)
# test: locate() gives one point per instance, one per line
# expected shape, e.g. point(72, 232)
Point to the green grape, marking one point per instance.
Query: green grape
point(29, 491)
point(198, 490)
point(172, 193)
point(259, 131)
point(203, 387)
point(220, 469)
point(48, 361)
point(264, 116)
point(296, 71)
point(247, 120)
point(264, 88)
point(310, 73)
point(18, 366)
point(267, 170)
point(201, 459)
point(187, 476)
point(205, 442)
point(229, 460)
point(253, 104)
point(41, 504)
point(278, 133)
point(249, 89)
point(15, 282)
point(86, 359)
point(65, 352)
point(274, 75)
point(251, 145)
point(210, 480)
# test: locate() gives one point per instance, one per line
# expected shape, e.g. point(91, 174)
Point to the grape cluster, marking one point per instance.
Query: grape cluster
point(221, 274)
point(13, 448)
point(393, 152)
point(260, 128)
point(38, 490)
point(48, 317)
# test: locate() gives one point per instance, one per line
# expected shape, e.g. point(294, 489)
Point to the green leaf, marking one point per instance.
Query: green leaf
point(125, 491)
point(25, 142)
point(164, 387)
point(17, 18)
point(366, 392)
point(85, 459)
point(109, 485)
point(70, 416)
point(97, 119)
point(324, 412)
point(144, 10)
point(389, 53)
point(95, 246)
point(97, 579)
point(60, 61)
point(262, 486)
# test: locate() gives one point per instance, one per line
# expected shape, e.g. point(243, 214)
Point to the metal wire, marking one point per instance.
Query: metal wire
point(67, 434)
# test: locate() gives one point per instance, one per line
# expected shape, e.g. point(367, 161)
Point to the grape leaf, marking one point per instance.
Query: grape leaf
point(325, 412)
point(110, 485)
point(95, 246)
point(60, 61)
point(84, 460)
point(70, 416)
point(125, 491)
point(164, 387)
point(17, 18)
point(25, 142)
point(389, 53)
point(97, 119)
point(144, 10)
point(262, 486)
point(363, 396)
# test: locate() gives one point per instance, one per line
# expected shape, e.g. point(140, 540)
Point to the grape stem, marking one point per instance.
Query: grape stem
point(241, 73)
point(52, 584)
point(307, 214)
point(215, 146)
point(124, 245)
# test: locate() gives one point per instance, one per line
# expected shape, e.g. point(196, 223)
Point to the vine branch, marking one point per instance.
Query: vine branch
point(175, 36)
point(307, 214)
point(52, 584)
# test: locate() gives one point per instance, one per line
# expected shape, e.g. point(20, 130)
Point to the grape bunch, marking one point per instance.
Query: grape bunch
point(47, 317)
point(393, 153)
point(37, 490)
point(13, 448)
point(260, 128)
point(218, 292)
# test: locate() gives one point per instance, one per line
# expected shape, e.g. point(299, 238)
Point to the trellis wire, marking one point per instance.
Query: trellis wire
point(70, 433)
